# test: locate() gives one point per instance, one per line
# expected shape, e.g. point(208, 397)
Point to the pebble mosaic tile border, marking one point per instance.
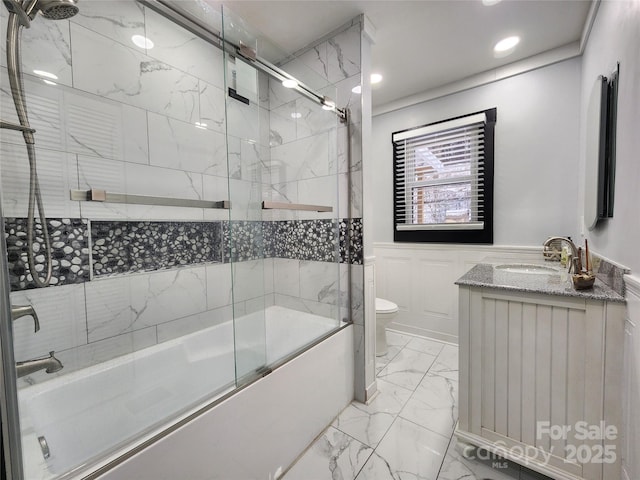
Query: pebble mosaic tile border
point(69, 257)
point(248, 240)
point(305, 240)
point(120, 247)
point(127, 247)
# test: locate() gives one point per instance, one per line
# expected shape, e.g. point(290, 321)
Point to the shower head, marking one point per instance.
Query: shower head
point(57, 9)
point(51, 9)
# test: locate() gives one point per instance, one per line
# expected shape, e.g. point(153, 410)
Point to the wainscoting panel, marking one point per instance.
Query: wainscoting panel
point(631, 382)
point(421, 280)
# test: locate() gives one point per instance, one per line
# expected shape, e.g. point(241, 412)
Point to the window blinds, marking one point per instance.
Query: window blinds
point(439, 175)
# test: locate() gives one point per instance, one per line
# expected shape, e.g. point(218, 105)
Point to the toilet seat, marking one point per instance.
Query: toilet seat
point(385, 306)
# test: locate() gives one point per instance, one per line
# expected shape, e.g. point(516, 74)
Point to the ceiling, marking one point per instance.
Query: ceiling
point(423, 44)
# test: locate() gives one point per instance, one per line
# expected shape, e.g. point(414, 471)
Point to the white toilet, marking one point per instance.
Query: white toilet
point(385, 312)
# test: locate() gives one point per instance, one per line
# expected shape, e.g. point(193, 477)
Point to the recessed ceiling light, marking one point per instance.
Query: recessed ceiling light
point(142, 42)
point(376, 78)
point(42, 73)
point(289, 83)
point(201, 125)
point(357, 89)
point(296, 115)
point(506, 46)
point(488, 3)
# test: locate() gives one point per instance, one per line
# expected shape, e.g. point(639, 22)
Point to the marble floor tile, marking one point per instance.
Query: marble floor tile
point(369, 423)
point(407, 368)
point(408, 452)
point(446, 365)
point(383, 360)
point(481, 466)
point(425, 345)
point(434, 405)
point(332, 456)
point(398, 339)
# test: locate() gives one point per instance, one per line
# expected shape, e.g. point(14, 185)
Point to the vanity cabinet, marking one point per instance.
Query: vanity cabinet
point(538, 374)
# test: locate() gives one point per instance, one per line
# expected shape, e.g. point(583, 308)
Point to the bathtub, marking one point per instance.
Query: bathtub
point(83, 415)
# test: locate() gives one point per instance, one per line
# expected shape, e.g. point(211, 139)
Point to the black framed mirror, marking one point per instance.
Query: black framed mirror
point(601, 150)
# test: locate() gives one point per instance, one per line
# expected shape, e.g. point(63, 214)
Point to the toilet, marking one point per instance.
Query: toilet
point(385, 312)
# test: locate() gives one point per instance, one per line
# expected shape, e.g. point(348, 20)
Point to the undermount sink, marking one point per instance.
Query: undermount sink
point(529, 269)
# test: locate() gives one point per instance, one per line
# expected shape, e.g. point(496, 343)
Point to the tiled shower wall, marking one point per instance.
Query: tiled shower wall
point(312, 148)
point(122, 119)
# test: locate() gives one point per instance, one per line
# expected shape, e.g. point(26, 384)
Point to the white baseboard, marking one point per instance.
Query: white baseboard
point(423, 332)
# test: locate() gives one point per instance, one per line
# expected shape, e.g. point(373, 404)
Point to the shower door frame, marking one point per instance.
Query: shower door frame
point(10, 418)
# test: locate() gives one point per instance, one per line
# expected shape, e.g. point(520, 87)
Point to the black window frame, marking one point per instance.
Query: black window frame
point(457, 235)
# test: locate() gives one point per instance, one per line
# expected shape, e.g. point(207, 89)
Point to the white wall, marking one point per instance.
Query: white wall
point(536, 190)
point(616, 37)
point(536, 151)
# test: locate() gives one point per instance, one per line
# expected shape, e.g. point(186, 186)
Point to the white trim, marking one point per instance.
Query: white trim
point(465, 247)
point(534, 62)
point(441, 126)
point(440, 226)
point(588, 25)
point(632, 284)
point(368, 30)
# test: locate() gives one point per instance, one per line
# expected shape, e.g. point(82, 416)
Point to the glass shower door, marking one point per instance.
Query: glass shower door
point(285, 228)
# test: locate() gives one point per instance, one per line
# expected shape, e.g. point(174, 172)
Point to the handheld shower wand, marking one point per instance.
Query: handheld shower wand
point(20, 16)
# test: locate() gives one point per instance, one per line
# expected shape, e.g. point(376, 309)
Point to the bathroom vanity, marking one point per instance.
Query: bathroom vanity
point(541, 370)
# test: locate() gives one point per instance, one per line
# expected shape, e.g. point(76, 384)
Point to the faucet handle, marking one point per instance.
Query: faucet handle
point(18, 311)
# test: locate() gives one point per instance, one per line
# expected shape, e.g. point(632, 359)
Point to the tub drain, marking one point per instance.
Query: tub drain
point(44, 447)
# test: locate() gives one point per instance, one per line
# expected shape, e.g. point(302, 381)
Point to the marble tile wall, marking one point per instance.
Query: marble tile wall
point(152, 122)
point(309, 165)
point(120, 118)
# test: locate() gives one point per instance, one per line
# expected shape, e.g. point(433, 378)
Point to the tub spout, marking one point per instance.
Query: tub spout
point(49, 364)
point(18, 311)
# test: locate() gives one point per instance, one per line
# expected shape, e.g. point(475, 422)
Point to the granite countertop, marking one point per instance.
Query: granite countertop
point(556, 283)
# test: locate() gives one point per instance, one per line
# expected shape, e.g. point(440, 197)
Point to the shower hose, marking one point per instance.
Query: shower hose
point(35, 198)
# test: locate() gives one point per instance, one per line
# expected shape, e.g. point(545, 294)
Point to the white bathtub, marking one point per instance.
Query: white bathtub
point(98, 409)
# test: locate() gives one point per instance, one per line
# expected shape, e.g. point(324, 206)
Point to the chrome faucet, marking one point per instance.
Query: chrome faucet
point(49, 364)
point(23, 311)
point(575, 254)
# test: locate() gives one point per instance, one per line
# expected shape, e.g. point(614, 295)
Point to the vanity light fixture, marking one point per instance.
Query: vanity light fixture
point(289, 83)
point(142, 42)
point(506, 46)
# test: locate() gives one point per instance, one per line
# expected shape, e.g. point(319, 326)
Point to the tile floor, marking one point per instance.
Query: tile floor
point(406, 432)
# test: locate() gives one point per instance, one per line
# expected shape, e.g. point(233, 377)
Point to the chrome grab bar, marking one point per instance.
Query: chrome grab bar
point(295, 206)
point(97, 195)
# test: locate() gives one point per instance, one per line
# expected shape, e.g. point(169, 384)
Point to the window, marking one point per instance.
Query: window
point(443, 181)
